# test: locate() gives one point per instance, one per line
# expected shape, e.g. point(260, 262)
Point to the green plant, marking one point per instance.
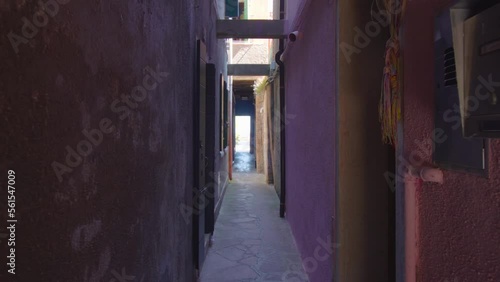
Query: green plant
point(260, 85)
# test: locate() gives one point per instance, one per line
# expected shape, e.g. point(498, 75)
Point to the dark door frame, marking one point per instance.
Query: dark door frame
point(210, 151)
point(199, 143)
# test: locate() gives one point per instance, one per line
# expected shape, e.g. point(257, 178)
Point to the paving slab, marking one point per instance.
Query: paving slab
point(251, 242)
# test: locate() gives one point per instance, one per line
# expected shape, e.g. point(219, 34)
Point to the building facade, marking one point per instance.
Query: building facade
point(104, 150)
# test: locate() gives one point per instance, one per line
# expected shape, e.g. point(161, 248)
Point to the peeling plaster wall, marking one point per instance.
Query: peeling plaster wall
point(310, 137)
point(458, 223)
point(119, 209)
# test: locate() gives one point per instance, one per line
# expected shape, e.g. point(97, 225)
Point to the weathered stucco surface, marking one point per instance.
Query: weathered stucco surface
point(458, 223)
point(118, 210)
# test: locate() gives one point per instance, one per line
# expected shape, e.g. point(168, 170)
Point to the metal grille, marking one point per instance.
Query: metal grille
point(450, 74)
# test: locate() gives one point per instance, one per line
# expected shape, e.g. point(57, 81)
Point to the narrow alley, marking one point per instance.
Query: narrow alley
point(250, 242)
point(249, 140)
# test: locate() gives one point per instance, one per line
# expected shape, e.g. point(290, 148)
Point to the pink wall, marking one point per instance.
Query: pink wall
point(458, 234)
point(310, 164)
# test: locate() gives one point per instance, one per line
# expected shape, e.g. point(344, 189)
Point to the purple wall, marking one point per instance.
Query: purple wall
point(310, 136)
point(291, 8)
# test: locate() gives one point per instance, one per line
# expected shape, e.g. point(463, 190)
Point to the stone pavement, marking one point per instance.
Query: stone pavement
point(244, 162)
point(251, 242)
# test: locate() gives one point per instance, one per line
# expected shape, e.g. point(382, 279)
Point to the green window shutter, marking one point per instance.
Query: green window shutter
point(245, 15)
point(232, 9)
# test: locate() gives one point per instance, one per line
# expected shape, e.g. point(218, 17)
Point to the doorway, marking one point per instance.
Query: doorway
point(242, 127)
point(199, 144)
point(244, 158)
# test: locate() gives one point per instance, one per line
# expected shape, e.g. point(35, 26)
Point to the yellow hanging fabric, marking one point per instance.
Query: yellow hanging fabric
point(390, 99)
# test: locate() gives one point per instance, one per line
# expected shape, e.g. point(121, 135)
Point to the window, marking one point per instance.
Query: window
point(243, 15)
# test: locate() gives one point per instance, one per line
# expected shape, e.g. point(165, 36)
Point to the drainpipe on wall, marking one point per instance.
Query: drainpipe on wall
point(282, 115)
point(282, 129)
point(230, 116)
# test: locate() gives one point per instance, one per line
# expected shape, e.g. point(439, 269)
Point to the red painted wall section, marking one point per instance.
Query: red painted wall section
point(119, 211)
point(310, 137)
point(458, 235)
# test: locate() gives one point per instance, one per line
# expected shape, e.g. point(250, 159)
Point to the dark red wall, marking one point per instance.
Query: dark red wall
point(119, 210)
point(458, 238)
